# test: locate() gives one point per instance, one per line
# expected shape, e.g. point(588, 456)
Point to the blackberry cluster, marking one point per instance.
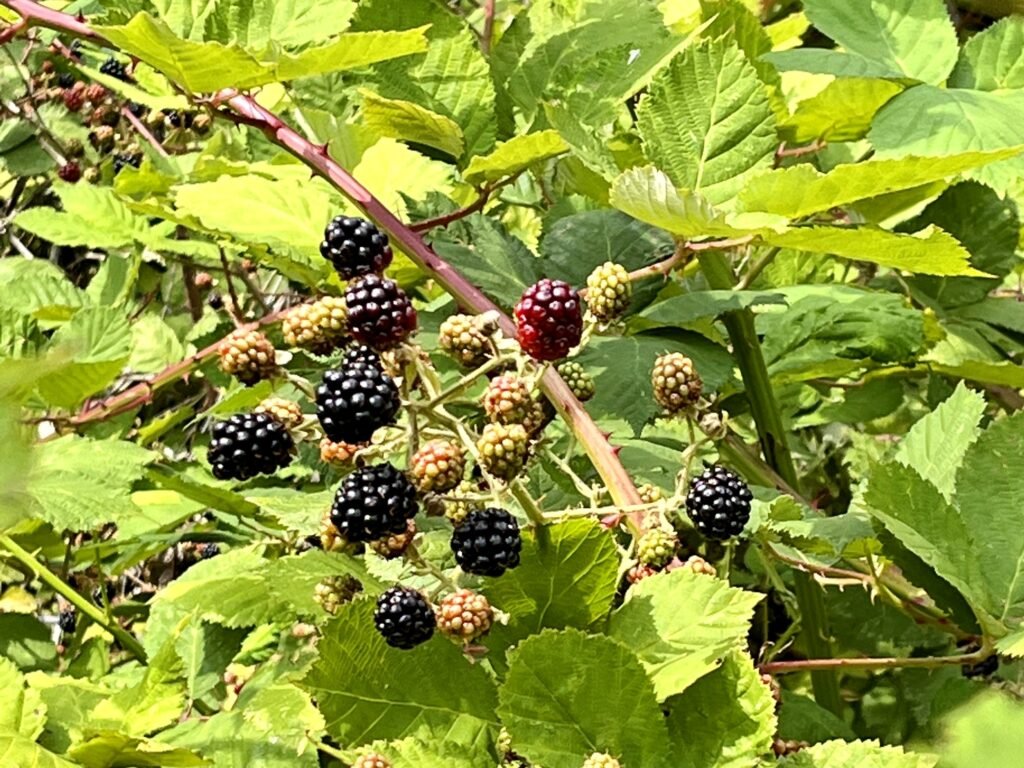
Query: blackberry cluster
point(508, 400)
point(465, 616)
point(462, 338)
point(321, 326)
point(355, 247)
point(718, 503)
point(124, 159)
point(579, 381)
point(609, 291)
point(487, 542)
point(404, 618)
point(503, 449)
point(249, 444)
point(355, 400)
point(549, 320)
point(116, 69)
point(438, 466)
point(380, 313)
point(372, 503)
point(676, 384)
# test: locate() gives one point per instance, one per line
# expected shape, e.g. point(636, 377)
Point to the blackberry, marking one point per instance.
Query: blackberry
point(114, 68)
point(124, 159)
point(362, 354)
point(247, 355)
point(102, 138)
point(139, 110)
point(70, 172)
point(380, 314)
point(462, 338)
point(355, 247)
point(503, 449)
point(74, 99)
point(404, 618)
point(656, 547)
point(783, 747)
point(178, 119)
point(354, 401)
point(508, 400)
point(338, 454)
point(609, 291)
point(249, 444)
point(373, 502)
point(327, 538)
point(718, 503)
point(65, 80)
point(66, 621)
point(487, 542)
point(465, 616)
point(676, 384)
point(639, 572)
point(578, 379)
point(437, 466)
point(984, 668)
point(601, 760)
point(394, 545)
point(549, 320)
point(320, 327)
point(206, 551)
point(334, 591)
point(456, 511)
point(371, 760)
point(287, 412)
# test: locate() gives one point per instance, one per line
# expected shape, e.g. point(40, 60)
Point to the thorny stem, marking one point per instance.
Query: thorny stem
point(477, 205)
point(25, 557)
point(144, 132)
point(894, 662)
point(488, 34)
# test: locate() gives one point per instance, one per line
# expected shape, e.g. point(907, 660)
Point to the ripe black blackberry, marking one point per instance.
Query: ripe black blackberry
point(358, 353)
point(985, 668)
point(355, 247)
point(373, 502)
point(380, 314)
point(487, 542)
point(65, 80)
point(249, 444)
point(66, 621)
point(355, 400)
point(124, 159)
point(114, 68)
point(718, 503)
point(404, 618)
point(549, 320)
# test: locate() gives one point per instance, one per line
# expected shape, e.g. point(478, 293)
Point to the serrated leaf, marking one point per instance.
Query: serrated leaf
point(16, 750)
point(936, 445)
point(555, 702)
point(801, 190)
point(992, 59)
point(842, 111)
point(394, 172)
point(22, 710)
point(687, 307)
point(514, 156)
point(706, 121)
point(79, 484)
point(724, 720)
point(434, 752)
point(407, 121)
point(905, 38)
point(39, 289)
point(93, 216)
point(933, 122)
point(681, 624)
point(857, 754)
point(367, 690)
point(205, 651)
point(111, 750)
point(257, 24)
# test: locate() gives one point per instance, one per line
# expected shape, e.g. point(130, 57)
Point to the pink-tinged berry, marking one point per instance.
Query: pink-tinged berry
point(549, 319)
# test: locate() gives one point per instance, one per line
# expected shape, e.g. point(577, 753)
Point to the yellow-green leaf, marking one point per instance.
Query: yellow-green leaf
point(407, 121)
point(515, 155)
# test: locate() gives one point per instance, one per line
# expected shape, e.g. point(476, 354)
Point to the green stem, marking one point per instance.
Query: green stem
point(771, 432)
point(45, 575)
point(925, 662)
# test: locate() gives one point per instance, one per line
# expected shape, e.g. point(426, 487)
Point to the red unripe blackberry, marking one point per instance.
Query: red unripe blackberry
point(371, 760)
point(249, 444)
point(373, 502)
point(508, 400)
point(355, 247)
point(404, 618)
point(95, 93)
point(438, 466)
point(549, 320)
point(380, 313)
point(70, 172)
point(465, 616)
point(339, 454)
point(355, 400)
point(487, 542)
point(74, 99)
point(718, 503)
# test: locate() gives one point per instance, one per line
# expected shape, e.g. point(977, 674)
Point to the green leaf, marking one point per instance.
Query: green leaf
point(368, 690)
point(27, 642)
point(92, 216)
point(568, 578)
point(39, 289)
point(555, 702)
point(258, 24)
point(204, 67)
point(109, 749)
point(842, 111)
point(393, 173)
point(98, 343)
point(801, 190)
point(992, 59)
point(724, 720)
point(22, 710)
point(434, 752)
point(687, 307)
point(205, 651)
point(681, 624)
point(931, 122)
point(79, 484)
point(515, 156)
point(856, 754)
point(913, 39)
point(800, 718)
point(155, 345)
point(989, 731)
point(936, 445)
point(930, 251)
point(706, 121)
point(410, 122)
point(16, 750)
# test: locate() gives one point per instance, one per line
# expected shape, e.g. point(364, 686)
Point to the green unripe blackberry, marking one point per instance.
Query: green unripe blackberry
point(503, 449)
point(321, 326)
point(609, 291)
point(579, 381)
point(676, 384)
point(656, 547)
point(508, 400)
point(462, 338)
point(601, 760)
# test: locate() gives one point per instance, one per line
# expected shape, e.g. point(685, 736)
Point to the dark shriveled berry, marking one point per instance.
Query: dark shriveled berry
point(380, 313)
point(114, 68)
point(718, 503)
point(549, 320)
point(354, 401)
point(372, 503)
point(487, 542)
point(249, 444)
point(355, 247)
point(404, 618)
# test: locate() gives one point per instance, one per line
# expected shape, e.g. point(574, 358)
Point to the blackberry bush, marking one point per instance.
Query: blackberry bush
point(249, 444)
point(373, 502)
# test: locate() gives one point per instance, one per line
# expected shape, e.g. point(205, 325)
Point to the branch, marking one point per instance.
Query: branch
point(488, 34)
point(448, 218)
point(925, 662)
